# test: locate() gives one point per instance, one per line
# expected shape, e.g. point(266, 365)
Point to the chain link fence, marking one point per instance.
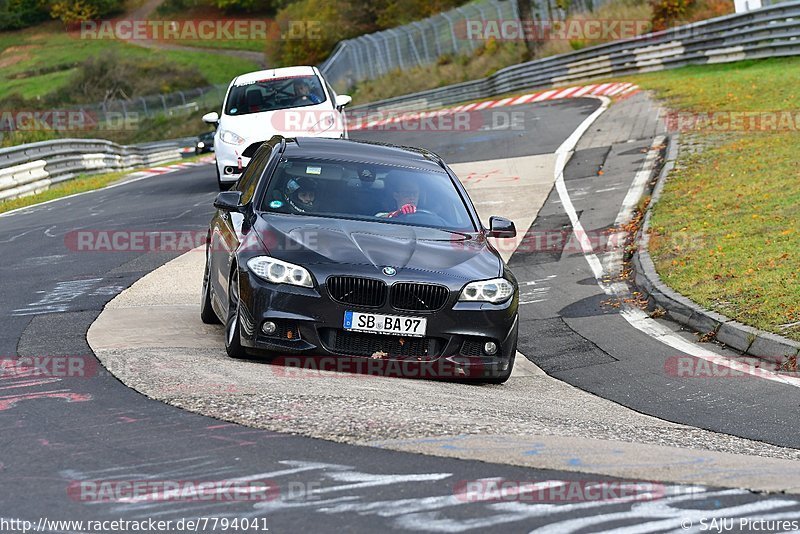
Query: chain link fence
point(115, 112)
point(424, 42)
point(175, 103)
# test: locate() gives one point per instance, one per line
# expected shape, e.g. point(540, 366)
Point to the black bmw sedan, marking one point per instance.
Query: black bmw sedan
point(355, 250)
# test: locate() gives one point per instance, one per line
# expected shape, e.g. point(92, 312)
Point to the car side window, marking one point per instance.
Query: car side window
point(249, 180)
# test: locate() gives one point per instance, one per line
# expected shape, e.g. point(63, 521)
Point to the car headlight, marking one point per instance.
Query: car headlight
point(227, 136)
point(201, 145)
point(280, 272)
point(495, 290)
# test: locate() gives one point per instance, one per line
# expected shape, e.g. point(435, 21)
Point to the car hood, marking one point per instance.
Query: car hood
point(292, 122)
point(317, 240)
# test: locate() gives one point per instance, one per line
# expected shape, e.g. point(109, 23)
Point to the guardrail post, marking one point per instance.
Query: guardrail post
point(472, 42)
point(423, 39)
point(400, 60)
point(414, 48)
point(452, 32)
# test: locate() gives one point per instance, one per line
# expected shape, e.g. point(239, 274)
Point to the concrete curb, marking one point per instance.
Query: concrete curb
point(684, 311)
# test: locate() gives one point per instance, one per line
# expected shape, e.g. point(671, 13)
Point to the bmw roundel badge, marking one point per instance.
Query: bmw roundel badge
point(389, 271)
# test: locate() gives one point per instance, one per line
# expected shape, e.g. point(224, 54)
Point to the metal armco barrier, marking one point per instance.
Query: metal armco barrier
point(425, 41)
point(772, 31)
point(32, 168)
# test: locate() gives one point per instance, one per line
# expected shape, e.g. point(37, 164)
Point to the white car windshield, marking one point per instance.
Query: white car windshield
point(274, 93)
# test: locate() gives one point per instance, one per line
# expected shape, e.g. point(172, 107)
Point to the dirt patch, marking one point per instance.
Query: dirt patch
point(14, 54)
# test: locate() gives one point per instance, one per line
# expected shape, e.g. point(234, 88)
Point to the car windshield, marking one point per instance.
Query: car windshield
point(275, 93)
point(366, 191)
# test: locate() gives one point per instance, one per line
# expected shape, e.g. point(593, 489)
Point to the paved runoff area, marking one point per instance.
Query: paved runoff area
point(152, 339)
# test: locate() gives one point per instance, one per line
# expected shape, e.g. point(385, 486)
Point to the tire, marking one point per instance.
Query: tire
point(207, 313)
point(233, 340)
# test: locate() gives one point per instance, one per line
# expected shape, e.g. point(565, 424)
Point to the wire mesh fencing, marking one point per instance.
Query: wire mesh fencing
point(455, 32)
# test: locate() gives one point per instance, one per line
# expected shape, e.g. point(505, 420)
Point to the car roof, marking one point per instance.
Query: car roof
point(363, 152)
point(285, 72)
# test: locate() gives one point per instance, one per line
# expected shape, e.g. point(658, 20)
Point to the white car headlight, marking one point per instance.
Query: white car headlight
point(280, 272)
point(495, 291)
point(227, 136)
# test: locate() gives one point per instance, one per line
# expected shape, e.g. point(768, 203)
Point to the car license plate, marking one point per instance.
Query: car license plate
point(385, 324)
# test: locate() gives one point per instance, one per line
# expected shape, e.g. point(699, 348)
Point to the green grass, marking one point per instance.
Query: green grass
point(49, 46)
point(80, 184)
point(756, 85)
point(726, 232)
point(253, 45)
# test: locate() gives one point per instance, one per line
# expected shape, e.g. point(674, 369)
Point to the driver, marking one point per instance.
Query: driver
point(303, 94)
point(301, 194)
point(405, 193)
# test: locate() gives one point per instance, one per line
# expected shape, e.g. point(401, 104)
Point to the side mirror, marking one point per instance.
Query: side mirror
point(211, 118)
point(501, 228)
point(229, 201)
point(343, 100)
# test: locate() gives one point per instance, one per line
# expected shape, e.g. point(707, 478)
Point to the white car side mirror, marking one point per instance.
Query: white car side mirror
point(343, 100)
point(211, 118)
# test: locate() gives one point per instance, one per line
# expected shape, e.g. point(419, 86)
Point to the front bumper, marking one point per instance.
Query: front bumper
point(230, 163)
point(310, 323)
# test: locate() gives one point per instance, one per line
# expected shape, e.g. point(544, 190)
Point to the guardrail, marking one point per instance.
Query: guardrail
point(32, 168)
point(771, 31)
point(425, 41)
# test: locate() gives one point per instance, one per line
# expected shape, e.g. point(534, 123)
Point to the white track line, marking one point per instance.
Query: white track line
point(638, 185)
point(126, 182)
point(636, 317)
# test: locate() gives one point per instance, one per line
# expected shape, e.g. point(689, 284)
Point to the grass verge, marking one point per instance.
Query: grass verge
point(39, 60)
point(725, 232)
point(79, 184)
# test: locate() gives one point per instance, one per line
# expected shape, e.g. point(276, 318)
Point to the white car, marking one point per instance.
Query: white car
point(291, 101)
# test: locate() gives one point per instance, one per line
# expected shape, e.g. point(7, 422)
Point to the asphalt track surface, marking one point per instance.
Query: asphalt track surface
point(95, 428)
